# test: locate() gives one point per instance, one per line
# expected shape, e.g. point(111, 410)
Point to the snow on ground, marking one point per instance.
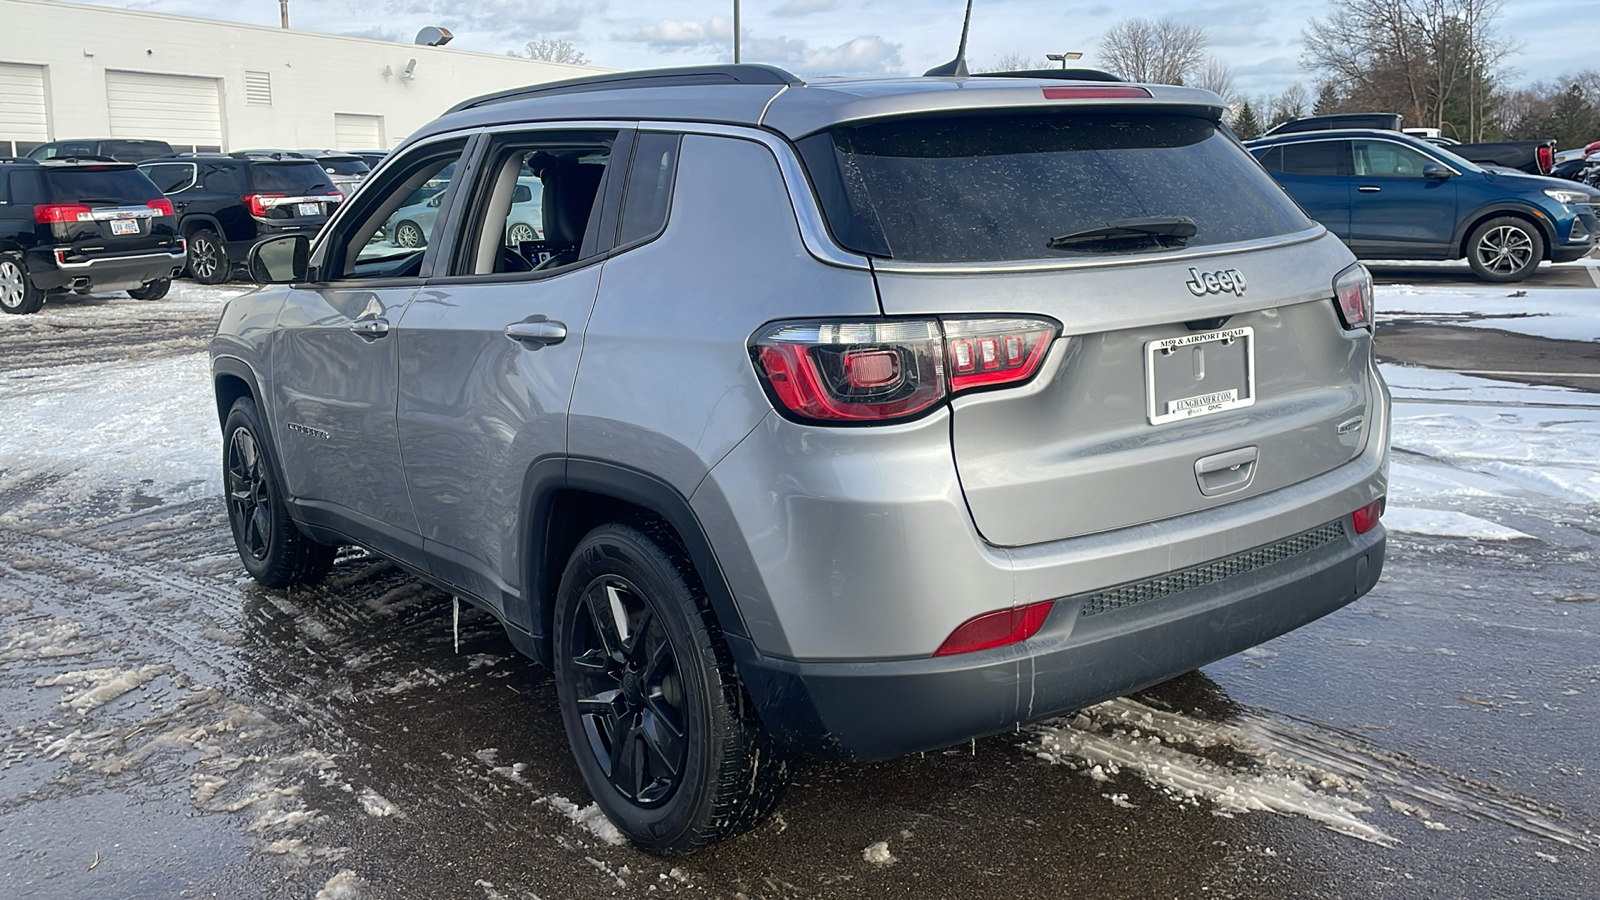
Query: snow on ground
point(1443, 523)
point(1559, 313)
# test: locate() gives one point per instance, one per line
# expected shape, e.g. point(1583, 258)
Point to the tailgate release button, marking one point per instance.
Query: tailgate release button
point(1226, 472)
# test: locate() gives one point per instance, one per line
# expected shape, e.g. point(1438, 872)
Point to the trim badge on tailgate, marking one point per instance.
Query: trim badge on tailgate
point(1224, 280)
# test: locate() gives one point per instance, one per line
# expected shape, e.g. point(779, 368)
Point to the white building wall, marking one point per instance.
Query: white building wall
point(314, 77)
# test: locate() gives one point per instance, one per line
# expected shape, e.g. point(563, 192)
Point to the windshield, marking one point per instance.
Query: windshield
point(344, 166)
point(102, 185)
point(979, 188)
point(291, 178)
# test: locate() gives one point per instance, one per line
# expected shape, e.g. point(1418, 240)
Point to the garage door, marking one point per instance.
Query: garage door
point(352, 132)
point(24, 120)
point(178, 109)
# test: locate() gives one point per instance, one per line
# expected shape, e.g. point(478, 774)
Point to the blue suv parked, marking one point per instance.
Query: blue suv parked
point(1389, 196)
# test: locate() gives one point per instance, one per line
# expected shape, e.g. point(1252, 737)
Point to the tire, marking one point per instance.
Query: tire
point(208, 259)
point(1505, 249)
point(270, 545)
point(657, 719)
point(520, 234)
point(409, 235)
point(155, 290)
point(17, 292)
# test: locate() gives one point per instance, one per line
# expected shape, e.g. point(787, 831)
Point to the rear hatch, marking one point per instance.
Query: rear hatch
point(346, 172)
point(101, 209)
point(292, 193)
point(1191, 371)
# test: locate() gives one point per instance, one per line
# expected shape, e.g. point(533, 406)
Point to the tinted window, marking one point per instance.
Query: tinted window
point(170, 177)
point(1271, 158)
point(134, 151)
point(99, 184)
point(999, 187)
point(1316, 158)
point(338, 166)
point(290, 178)
point(222, 178)
point(649, 192)
point(5, 187)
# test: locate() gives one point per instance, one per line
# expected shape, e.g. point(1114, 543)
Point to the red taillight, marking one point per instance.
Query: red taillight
point(876, 371)
point(258, 203)
point(996, 629)
point(1547, 159)
point(162, 206)
point(1096, 92)
point(1352, 297)
point(61, 213)
point(1366, 518)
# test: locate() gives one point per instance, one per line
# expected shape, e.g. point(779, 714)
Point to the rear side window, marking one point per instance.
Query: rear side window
point(989, 187)
point(290, 179)
point(171, 178)
point(338, 166)
point(644, 208)
point(222, 179)
point(1316, 158)
point(99, 185)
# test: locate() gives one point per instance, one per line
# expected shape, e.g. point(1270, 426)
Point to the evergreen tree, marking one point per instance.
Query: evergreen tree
point(1327, 99)
point(1245, 124)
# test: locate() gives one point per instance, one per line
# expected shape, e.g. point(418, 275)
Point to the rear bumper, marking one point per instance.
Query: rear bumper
point(52, 269)
point(872, 709)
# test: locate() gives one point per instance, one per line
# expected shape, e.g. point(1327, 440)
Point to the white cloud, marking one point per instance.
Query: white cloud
point(677, 34)
point(804, 7)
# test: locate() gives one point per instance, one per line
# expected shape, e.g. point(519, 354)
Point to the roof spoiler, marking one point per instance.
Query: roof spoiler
point(744, 73)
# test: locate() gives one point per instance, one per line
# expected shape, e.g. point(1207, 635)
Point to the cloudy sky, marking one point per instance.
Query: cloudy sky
point(1260, 40)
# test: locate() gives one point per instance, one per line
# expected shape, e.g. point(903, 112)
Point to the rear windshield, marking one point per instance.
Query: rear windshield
point(344, 166)
point(290, 178)
point(99, 185)
point(982, 188)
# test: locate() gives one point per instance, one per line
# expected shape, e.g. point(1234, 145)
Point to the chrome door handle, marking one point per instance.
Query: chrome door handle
point(1369, 189)
point(537, 332)
point(370, 329)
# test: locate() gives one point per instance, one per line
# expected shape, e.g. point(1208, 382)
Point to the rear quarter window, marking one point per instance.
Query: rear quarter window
point(995, 187)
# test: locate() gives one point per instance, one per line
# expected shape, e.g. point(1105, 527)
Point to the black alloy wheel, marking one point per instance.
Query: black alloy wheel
point(271, 546)
point(208, 261)
point(629, 693)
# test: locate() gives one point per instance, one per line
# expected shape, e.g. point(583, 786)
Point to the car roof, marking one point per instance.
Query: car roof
point(1336, 133)
point(766, 96)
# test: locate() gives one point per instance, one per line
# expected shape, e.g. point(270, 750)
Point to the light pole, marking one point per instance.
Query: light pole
point(283, 10)
point(735, 31)
point(1062, 58)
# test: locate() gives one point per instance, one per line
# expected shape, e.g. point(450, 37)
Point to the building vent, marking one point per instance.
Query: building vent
point(258, 88)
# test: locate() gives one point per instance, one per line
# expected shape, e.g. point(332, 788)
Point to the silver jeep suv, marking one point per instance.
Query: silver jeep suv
point(847, 417)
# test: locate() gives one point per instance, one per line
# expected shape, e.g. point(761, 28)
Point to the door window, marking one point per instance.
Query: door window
point(1316, 158)
point(1386, 159)
point(222, 178)
point(394, 221)
point(536, 208)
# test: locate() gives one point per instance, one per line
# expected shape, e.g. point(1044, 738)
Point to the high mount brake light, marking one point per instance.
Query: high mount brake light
point(1352, 297)
point(61, 213)
point(881, 370)
point(1097, 92)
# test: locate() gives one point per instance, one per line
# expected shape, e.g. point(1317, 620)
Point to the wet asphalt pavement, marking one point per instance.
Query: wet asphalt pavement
point(169, 729)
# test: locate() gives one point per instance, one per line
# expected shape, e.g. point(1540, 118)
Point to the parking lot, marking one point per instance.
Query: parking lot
point(171, 729)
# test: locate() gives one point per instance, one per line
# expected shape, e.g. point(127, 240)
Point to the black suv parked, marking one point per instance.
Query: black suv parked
point(227, 203)
point(70, 224)
point(120, 150)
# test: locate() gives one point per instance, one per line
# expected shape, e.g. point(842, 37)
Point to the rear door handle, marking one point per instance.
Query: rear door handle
point(537, 332)
point(1226, 472)
point(1369, 189)
point(370, 329)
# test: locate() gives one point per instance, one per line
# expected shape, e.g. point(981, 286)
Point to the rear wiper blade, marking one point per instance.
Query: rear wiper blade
point(1177, 228)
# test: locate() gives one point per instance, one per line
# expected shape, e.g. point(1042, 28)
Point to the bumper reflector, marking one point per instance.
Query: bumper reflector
point(996, 629)
point(1366, 518)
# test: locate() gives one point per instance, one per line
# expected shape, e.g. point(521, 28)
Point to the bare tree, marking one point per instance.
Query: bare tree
point(556, 50)
point(1433, 61)
point(1159, 51)
point(1017, 62)
point(1215, 76)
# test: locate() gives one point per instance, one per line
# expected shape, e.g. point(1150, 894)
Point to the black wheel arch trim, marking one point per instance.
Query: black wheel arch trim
point(201, 221)
point(1540, 219)
point(543, 485)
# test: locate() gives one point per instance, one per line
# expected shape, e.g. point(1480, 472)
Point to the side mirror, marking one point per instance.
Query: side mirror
point(1436, 172)
point(280, 260)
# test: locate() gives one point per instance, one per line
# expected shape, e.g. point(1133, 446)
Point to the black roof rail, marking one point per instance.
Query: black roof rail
point(744, 73)
point(1058, 74)
point(18, 161)
point(84, 158)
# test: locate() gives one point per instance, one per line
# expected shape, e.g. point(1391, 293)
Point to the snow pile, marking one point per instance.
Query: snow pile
point(375, 804)
point(1443, 523)
point(589, 818)
point(1562, 314)
point(878, 854)
point(108, 684)
point(344, 886)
